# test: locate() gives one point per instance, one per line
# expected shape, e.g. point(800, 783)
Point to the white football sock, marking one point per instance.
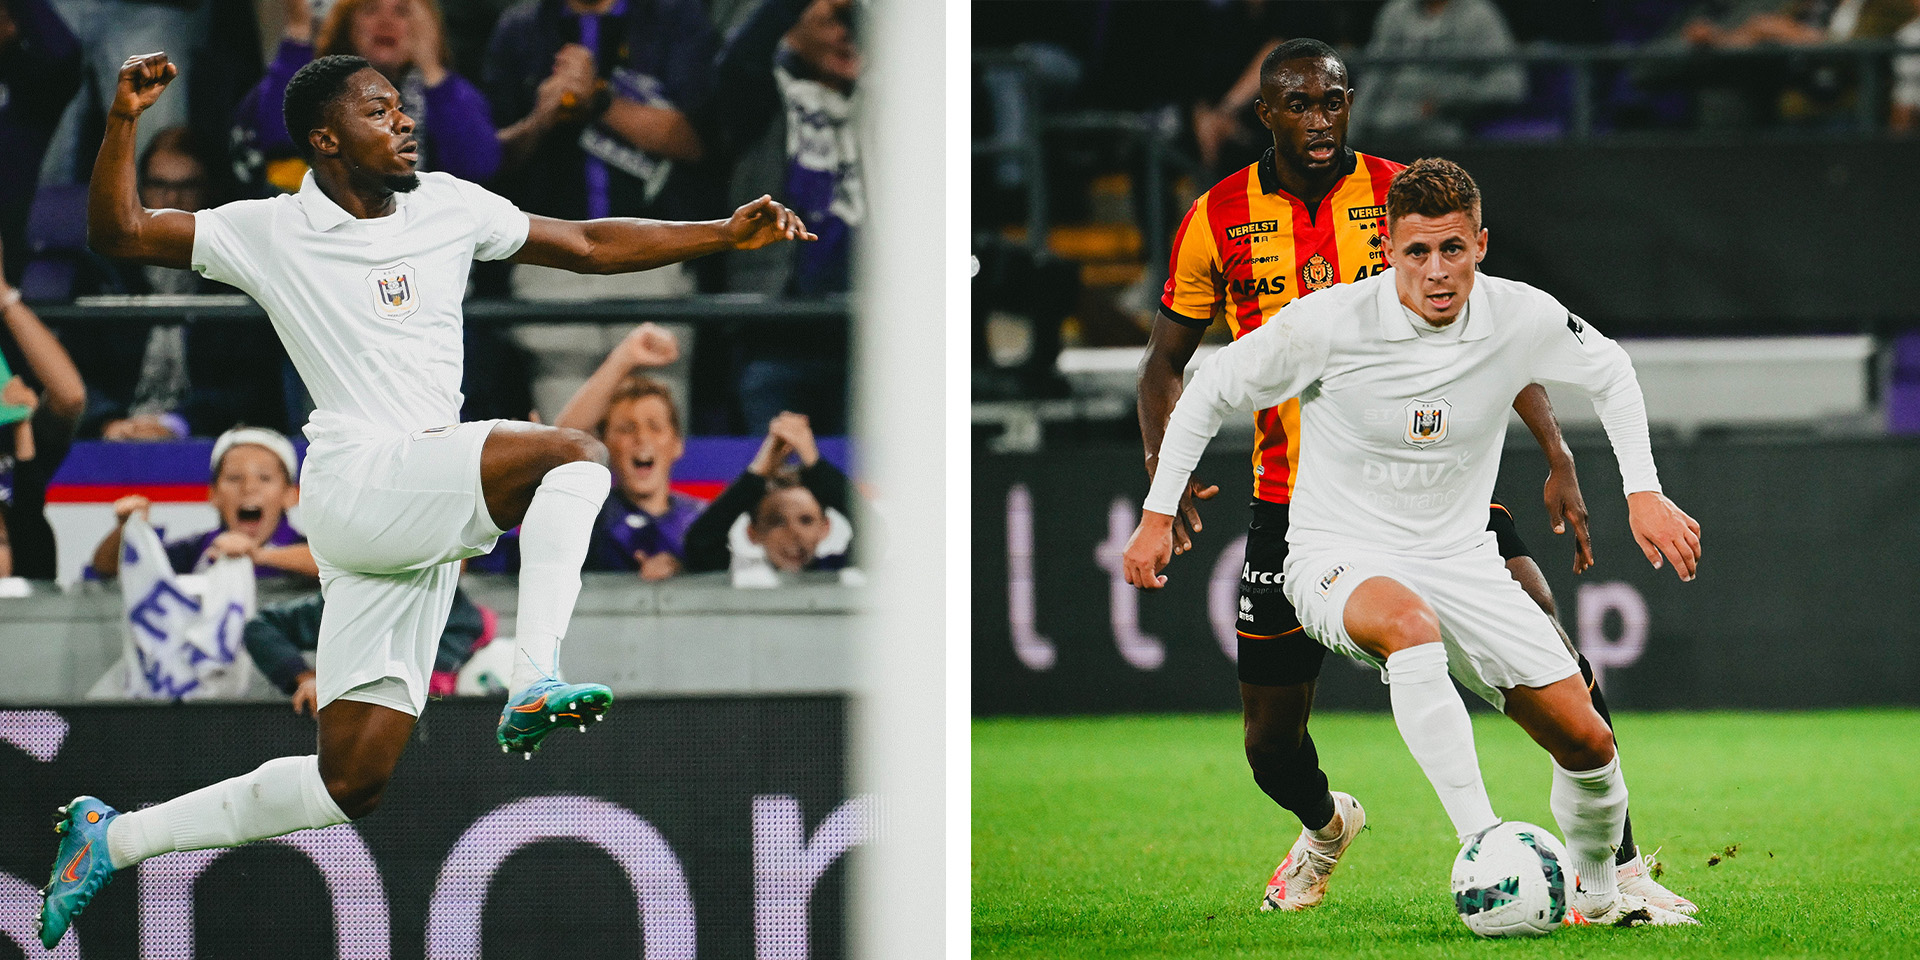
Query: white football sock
point(280, 796)
point(553, 547)
point(1591, 808)
point(1434, 723)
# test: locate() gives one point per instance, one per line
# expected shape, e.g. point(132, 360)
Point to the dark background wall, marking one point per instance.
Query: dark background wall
point(694, 770)
point(1805, 597)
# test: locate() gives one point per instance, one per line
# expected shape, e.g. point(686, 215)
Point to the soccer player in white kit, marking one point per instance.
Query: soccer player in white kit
point(1404, 380)
point(362, 273)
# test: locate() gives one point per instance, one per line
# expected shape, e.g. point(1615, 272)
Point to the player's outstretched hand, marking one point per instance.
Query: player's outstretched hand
point(1662, 528)
point(1187, 523)
point(1148, 551)
point(650, 345)
point(765, 221)
point(142, 79)
point(1567, 508)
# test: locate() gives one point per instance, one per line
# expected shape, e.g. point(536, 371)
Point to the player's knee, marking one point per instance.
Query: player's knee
point(1410, 624)
point(1588, 748)
point(357, 794)
point(574, 446)
point(1271, 745)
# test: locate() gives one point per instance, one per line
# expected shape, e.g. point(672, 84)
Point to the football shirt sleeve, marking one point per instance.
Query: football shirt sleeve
point(228, 241)
point(1569, 350)
point(500, 228)
point(1276, 361)
point(1193, 288)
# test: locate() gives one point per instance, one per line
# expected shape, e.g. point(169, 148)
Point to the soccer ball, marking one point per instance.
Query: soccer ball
point(1511, 880)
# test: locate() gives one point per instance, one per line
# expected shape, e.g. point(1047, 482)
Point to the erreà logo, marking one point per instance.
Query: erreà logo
point(1366, 213)
point(395, 288)
point(1258, 226)
point(1427, 421)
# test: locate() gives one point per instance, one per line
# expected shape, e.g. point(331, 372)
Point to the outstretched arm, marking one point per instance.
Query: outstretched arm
point(117, 225)
point(625, 245)
point(1566, 507)
point(1273, 363)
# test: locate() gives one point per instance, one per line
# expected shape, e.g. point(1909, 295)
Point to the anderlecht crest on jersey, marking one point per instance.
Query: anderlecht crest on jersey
point(1427, 421)
point(396, 294)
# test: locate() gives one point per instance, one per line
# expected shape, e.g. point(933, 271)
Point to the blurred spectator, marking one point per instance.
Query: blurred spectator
point(277, 635)
point(1905, 116)
point(36, 430)
point(774, 518)
point(169, 381)
point(1433, 103)
point(782, 113)
point(109, 32)
point(404, 40)
point(643, 524)
point(40, 69)
point(254, 483)
point(1807, 91)
point(593, 99)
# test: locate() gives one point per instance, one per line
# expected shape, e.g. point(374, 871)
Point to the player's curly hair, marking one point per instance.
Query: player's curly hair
point(309, 93)
point(1433, 187)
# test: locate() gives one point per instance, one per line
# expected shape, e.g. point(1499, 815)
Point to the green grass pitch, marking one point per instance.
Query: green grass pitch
point(1146, 837)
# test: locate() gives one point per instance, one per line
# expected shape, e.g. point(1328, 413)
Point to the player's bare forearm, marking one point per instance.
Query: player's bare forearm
point(622, 245)
point(619, 244)
point(1566, 505)
point(1536, 411)
point(1170, 346)
point(117, 224)
point(1162, 370)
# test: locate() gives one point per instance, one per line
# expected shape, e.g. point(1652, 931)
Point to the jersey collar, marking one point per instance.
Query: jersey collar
point(323, 214)
point(1270, 176)
point(1394, 324)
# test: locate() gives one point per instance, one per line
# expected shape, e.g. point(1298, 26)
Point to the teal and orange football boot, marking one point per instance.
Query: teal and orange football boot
point(541, 708)
point(80, 868)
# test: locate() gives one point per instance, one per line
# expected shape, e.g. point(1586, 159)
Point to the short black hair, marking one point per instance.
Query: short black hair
point(310, 92)
point(1299, 48)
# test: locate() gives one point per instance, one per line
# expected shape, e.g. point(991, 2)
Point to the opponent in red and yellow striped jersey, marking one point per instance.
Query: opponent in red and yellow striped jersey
point(1248, 247)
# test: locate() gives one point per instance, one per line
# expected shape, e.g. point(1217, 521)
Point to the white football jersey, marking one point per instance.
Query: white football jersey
point(369, 310)
point(1401, 428)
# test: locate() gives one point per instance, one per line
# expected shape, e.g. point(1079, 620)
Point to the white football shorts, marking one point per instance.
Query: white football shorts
point(1496, 636)
point(387, 518)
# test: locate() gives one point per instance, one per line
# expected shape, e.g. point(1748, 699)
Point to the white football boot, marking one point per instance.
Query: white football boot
point(1628, 910)
point(1636, 877)
point(1301, 879)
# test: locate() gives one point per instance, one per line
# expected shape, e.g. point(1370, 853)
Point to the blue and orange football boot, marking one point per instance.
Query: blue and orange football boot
point(541, 708)
point(80, 868)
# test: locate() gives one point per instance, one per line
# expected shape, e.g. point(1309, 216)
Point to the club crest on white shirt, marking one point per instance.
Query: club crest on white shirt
point(1427, 421)
point(396, 294)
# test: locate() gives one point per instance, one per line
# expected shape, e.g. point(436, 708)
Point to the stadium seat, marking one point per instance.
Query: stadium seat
point(57, 240)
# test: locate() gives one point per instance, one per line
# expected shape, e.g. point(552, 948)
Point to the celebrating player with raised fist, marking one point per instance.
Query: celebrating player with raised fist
point(362, 272)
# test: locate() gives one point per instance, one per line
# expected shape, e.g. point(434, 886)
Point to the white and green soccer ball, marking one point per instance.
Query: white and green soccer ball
point(1512, 880)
